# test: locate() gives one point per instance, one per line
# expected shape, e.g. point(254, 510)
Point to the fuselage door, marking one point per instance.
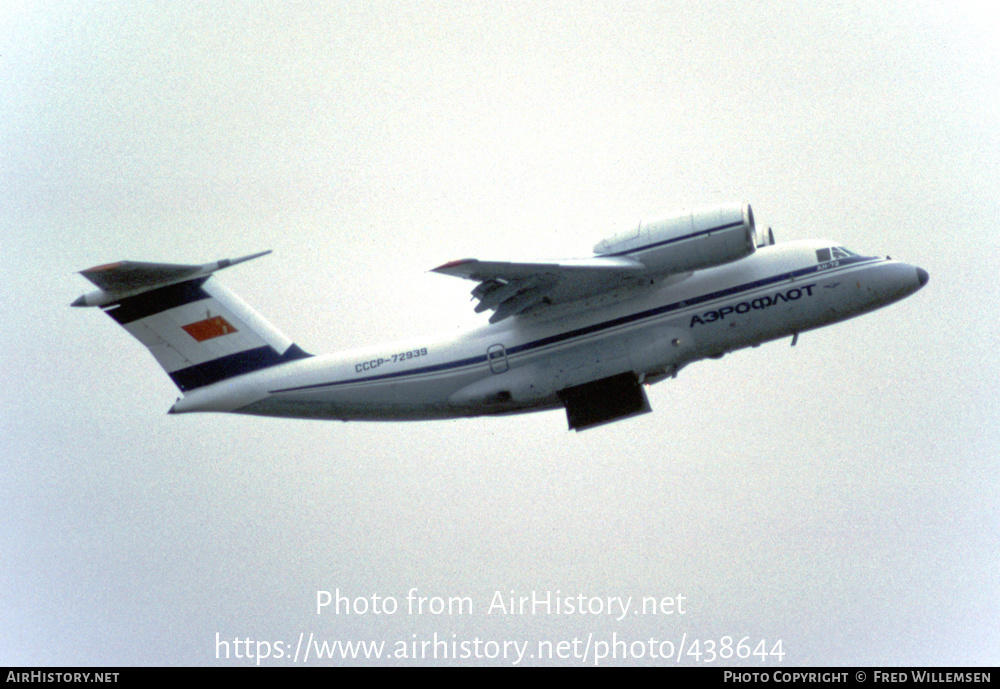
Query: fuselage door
point(497, 356)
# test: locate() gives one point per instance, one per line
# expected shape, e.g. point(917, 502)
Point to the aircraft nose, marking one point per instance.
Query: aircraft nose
point(922, 276)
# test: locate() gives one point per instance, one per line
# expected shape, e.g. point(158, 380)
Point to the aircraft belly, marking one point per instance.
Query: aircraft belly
point(585, 362)
point(535, 379)
point(661, 348)
point(419, 397)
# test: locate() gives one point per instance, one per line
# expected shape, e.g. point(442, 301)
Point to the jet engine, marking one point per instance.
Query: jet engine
point(688, 240)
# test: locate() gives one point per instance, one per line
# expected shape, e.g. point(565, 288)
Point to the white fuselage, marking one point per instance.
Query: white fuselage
point(520, 363)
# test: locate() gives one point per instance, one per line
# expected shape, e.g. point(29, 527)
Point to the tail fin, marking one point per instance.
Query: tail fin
point(198, 331)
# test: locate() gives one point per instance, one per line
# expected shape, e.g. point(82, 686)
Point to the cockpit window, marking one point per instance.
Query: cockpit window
point(833, 253)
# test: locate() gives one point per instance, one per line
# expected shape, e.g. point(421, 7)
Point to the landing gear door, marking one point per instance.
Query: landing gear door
point(497, 356)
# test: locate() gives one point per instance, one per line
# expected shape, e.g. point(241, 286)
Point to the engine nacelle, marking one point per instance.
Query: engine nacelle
point(689, 240)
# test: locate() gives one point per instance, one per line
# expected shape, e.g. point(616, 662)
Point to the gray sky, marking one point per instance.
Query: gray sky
point(841, 496)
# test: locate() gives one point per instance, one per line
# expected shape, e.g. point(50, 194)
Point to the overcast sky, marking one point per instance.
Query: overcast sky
point(841, 496)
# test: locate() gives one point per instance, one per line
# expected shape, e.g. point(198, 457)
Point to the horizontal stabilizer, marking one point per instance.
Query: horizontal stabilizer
point(128, 278)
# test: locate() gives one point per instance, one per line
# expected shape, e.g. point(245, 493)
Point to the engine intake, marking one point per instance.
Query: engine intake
point(688, 240)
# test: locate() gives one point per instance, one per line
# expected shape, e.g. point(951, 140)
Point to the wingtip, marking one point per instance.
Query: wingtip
point(101, 268)
point(452, 264)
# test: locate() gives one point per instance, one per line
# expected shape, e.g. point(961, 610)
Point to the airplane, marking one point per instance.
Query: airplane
point(587, 335)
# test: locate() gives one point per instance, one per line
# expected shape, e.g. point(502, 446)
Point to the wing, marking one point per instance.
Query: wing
point(513, 288)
